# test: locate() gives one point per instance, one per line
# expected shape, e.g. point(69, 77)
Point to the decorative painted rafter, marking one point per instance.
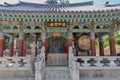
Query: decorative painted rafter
point(40, 19)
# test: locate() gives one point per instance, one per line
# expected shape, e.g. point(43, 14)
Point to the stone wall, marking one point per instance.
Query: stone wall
point(100, 74)
point(18, 74)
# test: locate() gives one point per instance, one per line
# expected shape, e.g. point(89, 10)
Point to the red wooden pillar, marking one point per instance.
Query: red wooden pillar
point(88, 53)
point(92, 44)
point(20, 44)
point(24, 52)
point(101, 46)
point(36, 51)
point(43, 43)
point(69, 43)
point(112, 45)
point(11, 47)
point(1, 44)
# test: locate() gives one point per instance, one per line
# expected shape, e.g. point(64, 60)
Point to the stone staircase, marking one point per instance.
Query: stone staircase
point(57, 73)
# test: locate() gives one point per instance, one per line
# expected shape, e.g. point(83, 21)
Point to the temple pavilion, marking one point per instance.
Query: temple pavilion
point(41, 36)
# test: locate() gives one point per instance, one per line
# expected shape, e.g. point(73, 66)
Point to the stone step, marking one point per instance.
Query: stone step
point(58, 77)
point(57, 73)
point(56, 68)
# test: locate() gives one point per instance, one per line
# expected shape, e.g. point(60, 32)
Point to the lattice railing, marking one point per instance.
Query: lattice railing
point(98, 61)
point(14, 62)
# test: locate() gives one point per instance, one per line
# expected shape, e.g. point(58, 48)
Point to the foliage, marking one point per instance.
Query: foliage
point(57, 2)
point(51, 2)
point(64, 1)
point(117, 37)
point(106, 39)
point(6, 42)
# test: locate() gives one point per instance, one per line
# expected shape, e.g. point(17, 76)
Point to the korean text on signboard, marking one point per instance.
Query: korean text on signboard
point(57, 24)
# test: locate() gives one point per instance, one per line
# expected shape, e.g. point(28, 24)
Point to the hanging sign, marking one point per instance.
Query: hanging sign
point(57, 24)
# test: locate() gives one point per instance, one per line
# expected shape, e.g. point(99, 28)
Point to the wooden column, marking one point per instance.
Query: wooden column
point(101, 46)
point(69, 42)
point(21, 44)
point(24, 52)
point(43, 42)
point(36, 51)
point(88, 53)
point(1, 44)
point(69, 39)
point(92, 44)
point(11, 47)
point(112, 44)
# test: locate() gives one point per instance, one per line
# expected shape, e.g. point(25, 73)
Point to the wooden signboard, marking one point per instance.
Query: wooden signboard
point(57, 24)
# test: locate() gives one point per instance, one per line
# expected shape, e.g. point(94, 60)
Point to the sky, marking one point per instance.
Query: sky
point(71, 1)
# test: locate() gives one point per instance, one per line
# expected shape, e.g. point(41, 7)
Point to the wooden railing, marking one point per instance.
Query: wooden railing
point(57, 59)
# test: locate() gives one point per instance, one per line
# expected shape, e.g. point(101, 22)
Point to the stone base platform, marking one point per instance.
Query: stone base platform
point(100, 74)
point(11, 73)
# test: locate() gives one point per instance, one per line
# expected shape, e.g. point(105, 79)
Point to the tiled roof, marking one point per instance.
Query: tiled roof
point(85, 6)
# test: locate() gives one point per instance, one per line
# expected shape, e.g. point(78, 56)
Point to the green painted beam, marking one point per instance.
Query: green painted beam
point(25, 31)
point(88, 30)
point(61, 16)
point(80, 30)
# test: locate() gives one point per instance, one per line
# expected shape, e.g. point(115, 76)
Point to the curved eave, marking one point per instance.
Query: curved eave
point(62, 12)
point(86, 7)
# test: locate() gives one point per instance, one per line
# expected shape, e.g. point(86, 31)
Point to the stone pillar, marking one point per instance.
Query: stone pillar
point(21, 44)
point(101, 46)
point(112, 44)
point(11, 47)
point(92, 44)
point(38, 71)
point(33, 46)
point(76, 73)
point(1, 44)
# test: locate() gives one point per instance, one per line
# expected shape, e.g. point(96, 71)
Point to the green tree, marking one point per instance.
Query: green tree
point(117, 37)
point(51, 2)
point(63, 1)
point(57, 2)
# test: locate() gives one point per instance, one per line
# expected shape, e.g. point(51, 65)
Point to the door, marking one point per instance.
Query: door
point(57, 55)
